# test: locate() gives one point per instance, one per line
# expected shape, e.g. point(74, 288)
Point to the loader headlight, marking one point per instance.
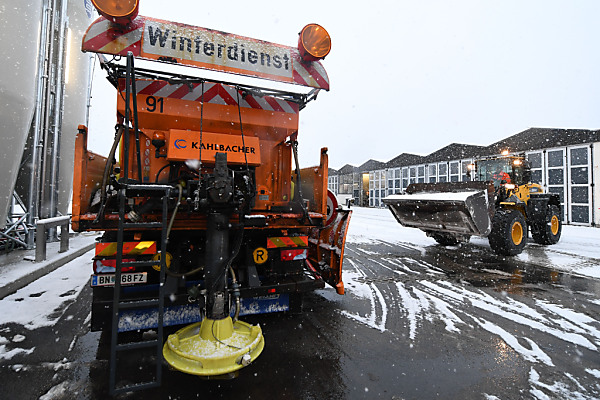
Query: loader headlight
point(509, 186)
point(121, 12)
point(314, 42)
point(517, 162)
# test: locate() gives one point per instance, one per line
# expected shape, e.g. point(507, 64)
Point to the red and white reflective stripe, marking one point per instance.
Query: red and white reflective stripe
point(101, 37)
point(309, 74)
point(214, 93)
point(105, 37)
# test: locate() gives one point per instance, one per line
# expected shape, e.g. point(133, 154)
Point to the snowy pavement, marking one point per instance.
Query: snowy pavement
point(551, 323)
point(43, 301)
point(577, 252)
point(18, 268)
point(492, 327)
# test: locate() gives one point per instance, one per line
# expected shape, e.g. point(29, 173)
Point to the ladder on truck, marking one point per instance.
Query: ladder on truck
point(130, 188)
point(116, 348)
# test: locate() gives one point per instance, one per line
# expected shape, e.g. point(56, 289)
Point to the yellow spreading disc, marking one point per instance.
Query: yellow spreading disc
point(214, 347)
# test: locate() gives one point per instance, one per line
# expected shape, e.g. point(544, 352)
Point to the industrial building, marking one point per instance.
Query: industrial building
point(563, 161)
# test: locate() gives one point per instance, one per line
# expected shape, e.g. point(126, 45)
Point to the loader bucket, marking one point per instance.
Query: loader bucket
point(462, 208)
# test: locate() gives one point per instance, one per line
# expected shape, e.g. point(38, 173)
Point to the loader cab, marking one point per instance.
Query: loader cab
point(503, 170)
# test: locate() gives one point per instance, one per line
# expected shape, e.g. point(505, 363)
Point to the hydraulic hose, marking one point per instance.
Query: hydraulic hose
point(109, 161)
point(180, 188)
point(236, 294)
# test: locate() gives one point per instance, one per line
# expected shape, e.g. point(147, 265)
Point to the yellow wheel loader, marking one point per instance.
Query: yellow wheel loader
point(500, 203)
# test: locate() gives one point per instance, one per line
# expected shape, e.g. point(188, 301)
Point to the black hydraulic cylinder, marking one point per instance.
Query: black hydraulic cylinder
point(215, 274)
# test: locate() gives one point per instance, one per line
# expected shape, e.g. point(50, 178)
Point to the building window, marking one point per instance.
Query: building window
point(556, 177)
point(555, 158)
point(442, 172)
point(405, 178)
point(579, 156)
point(580, 214)
point(454, 171)
point(432, 173)
point(465, 168)
point(537, 173)
point(579, 170)
point(421, 174)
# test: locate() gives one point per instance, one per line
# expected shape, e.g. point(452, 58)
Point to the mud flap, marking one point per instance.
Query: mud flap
point(326, 249)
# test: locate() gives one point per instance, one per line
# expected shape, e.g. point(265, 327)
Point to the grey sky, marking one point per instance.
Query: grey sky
point(414, 76)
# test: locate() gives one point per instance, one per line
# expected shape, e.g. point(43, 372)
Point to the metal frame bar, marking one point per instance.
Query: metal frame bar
point(16, 232)
point(40, 235)
point(117, 71)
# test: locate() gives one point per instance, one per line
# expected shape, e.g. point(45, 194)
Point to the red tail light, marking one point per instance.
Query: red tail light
point(109, 266)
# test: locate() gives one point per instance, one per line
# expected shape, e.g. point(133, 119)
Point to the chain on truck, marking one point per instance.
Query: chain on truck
point(206, 213)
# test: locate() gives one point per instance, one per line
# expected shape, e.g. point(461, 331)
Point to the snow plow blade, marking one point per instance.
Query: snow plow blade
point(462, 208)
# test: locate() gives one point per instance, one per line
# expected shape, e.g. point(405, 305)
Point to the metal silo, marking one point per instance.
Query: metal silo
point(46, 87)
point(76, 96)
point(19, 45)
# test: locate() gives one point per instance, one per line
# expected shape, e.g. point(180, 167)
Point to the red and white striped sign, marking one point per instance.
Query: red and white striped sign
point(214, 93)
point(155, 39)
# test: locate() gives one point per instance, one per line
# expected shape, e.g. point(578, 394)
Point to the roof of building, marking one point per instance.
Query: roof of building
point(529, 139)
point(455, 151)
point(544, 138)
point(346, 169)
point(371, 165)
point(404, 159)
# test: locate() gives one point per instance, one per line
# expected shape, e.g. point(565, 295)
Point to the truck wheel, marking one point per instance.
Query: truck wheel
point(548, 232)
point(509, 232)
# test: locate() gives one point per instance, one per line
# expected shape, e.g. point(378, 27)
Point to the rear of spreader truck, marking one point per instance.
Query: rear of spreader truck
point(205, 211)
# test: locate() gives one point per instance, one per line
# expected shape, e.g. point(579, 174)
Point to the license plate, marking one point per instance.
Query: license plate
point(126, 279)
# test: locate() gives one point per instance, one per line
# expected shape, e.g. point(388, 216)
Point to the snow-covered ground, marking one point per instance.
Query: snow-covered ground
point(577, 252)
point(42, 303)
point(532, 326)
point(524, 324)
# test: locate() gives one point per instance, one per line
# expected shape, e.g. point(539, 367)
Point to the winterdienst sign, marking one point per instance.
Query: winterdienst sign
point(160, 40)
point(226, 51)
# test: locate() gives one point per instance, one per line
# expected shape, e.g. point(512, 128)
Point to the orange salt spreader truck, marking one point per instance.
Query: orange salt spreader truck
point(205, 212)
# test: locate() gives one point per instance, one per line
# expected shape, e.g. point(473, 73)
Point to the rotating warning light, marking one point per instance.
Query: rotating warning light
point(314, 43)
point(121, 12)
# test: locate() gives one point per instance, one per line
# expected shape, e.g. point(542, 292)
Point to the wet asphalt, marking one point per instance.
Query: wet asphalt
point(416, 323)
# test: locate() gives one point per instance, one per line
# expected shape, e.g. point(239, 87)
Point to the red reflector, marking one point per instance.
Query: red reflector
point(293, 254)
point(109, 266)
point(272, 290)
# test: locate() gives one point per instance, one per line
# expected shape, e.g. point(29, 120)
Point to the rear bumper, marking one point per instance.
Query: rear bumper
point(178, 311)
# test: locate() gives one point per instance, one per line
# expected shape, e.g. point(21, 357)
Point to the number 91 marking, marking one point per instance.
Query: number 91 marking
point(152, 103)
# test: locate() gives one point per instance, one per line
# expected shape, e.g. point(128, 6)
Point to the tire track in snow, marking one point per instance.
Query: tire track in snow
point(534, 355)
point(375, 297)
point(510, 310)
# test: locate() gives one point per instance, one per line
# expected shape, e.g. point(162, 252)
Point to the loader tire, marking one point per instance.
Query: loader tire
point(509, 232)
point(548, 231)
